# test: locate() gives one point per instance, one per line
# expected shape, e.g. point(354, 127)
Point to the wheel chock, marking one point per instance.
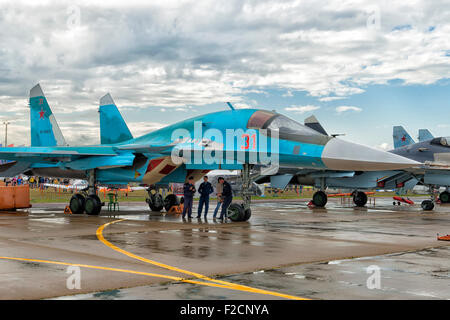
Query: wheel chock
point(67, 210)
point(443, 238)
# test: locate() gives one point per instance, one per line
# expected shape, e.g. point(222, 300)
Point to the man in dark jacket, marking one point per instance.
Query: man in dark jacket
point(205, 190)
point(189, 191)
point(227, 197)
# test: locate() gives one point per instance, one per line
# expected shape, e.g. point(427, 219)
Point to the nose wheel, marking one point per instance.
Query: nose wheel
point(320, 199)
point(359, 198)
point(428, 205)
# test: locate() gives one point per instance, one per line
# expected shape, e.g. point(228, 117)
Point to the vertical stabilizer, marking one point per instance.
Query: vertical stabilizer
point(401, 137)
point(425, 134)
point(113, 128)
point(45, 131)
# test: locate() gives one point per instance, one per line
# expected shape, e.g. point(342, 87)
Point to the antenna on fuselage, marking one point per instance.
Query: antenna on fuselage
point(231, 106)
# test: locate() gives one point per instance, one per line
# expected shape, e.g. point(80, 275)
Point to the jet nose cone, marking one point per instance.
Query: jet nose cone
point(341, 155)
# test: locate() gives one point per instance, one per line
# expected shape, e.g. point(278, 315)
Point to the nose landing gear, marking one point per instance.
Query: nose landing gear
point(241, 212)
point(428, 205)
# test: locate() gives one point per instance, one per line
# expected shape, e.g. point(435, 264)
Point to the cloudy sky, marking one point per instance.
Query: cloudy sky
point(359, 68)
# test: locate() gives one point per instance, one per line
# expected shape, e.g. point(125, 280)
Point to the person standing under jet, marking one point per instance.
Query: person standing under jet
point(219, 189)
point(227, 197)
point(189, 191)
point(205, 190)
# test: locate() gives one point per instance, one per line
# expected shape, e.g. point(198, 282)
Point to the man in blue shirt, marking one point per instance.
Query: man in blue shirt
point(205, 190)
point(188, 191)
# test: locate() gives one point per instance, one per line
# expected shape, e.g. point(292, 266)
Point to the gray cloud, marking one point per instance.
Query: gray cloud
point(180, 53)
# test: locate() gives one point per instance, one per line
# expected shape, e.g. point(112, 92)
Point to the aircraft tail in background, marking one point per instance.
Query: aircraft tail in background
point(401, 137)
point(45, 131)
point(113, 128)
point(425, 134)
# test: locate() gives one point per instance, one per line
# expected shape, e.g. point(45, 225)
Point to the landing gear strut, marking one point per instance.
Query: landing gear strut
point(428, 205)
point(320, 198)
point(87, 202)
point(242, 212)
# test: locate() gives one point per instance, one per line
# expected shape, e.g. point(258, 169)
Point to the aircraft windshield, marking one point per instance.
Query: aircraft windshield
point(444, 141)
point(287, 128)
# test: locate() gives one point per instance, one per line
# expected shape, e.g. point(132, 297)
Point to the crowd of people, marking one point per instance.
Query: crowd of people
point(224, 197)
point(34, 181)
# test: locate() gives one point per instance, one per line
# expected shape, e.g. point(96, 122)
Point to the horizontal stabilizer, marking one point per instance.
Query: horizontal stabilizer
point(113, 128)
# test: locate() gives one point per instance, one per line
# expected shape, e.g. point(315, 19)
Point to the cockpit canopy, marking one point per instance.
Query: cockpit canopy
point(289, 129)
point(443, 141)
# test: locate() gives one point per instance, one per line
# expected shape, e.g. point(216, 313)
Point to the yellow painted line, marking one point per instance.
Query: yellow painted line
point(195, 274)
point(121, 270)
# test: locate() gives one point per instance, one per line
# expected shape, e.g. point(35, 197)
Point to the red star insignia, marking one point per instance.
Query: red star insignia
point(403, 138)
point(41, 114)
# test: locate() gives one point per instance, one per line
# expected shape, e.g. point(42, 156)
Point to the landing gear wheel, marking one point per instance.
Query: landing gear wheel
point(170, 200)
point(320, 199)
point(93, 205)
point(235, 212)
point(444, 197)
point(427, 205)
point(360, 198)
point(247, 214)
point(155, 200)
point(77, 203)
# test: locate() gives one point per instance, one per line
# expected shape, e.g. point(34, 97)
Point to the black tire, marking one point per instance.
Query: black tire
point(93, 205)
point(235, 212)
point(247, 214)
point(170, 200)
point(156, 202)
point(444, 197)
point(393, 203)
point(360, 198)
point(427, 205)
point(320, 199)
point(77, 203)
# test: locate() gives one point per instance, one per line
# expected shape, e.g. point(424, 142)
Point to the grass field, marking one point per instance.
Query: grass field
point(52, 195)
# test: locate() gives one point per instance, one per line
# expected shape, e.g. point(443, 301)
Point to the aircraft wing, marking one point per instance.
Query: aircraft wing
point(78, 158)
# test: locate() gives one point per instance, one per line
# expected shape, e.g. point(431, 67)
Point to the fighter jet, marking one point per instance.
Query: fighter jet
point(434, 154)
point(235, 139)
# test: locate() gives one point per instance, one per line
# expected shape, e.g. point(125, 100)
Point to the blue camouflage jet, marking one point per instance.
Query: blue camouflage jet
point(235, 139)
point(432, 153)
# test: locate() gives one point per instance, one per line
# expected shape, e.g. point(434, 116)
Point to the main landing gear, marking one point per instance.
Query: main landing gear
point(320, 199)
point(156, 202)
point(87, 201)
point(241, 212)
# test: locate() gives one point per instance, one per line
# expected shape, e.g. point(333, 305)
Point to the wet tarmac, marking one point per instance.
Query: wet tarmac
point(286, 249)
